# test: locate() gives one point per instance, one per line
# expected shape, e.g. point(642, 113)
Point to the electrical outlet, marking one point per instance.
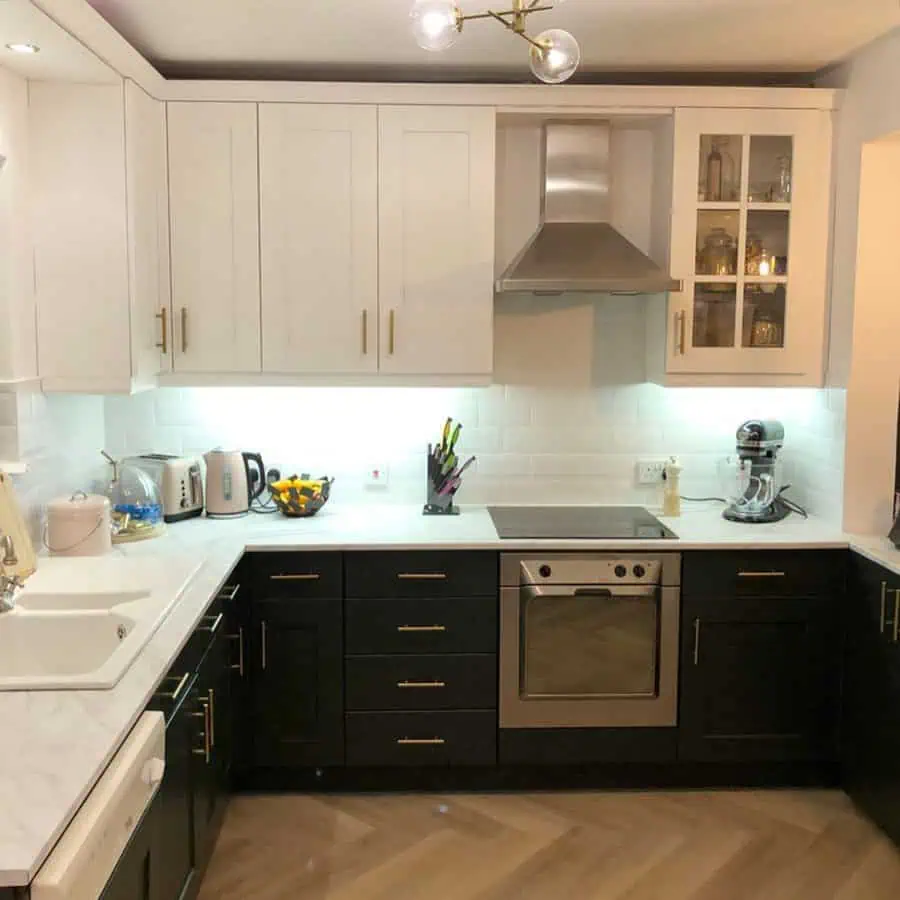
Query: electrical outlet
point(650, 471)
point(377, 476)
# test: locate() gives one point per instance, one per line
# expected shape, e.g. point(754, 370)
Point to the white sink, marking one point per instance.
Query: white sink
point(37, 651)
point(80, 623)
point(66, 602)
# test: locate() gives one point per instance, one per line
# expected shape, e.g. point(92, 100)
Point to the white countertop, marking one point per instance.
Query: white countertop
point(55, 744)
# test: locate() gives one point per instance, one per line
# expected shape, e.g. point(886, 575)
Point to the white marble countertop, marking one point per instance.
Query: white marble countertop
point(55, 744)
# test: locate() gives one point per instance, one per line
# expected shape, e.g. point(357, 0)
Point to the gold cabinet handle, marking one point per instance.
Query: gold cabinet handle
point(411, 742)
point(174, 695)
point(761, 574)
point(680, 336)
point(229, 593)
point(897, 616)
point(405, 628)
point(184, 328)
point(164, 330)
point(391, 317)
point(309, 576)
point(239, 637)
point(263, 647)
point(696, 642)
point(213, 627)
point(205, 750)
point(421, 684)
point(883, 606)
point(212, 717)
point(365, 332)
point(422, 576)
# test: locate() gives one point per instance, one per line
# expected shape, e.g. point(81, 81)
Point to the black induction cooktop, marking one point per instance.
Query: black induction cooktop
point(578, 522)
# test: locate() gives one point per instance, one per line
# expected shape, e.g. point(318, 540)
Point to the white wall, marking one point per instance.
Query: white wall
point(543, 444)
point(865, 315)
point(17, 323)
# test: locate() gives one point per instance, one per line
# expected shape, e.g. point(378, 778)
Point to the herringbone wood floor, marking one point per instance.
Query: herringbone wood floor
point(723, 845)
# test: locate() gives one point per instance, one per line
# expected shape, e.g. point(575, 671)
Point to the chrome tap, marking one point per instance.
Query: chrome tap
point(9, 584)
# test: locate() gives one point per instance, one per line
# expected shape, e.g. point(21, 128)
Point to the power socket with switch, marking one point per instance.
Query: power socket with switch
point(650, 471)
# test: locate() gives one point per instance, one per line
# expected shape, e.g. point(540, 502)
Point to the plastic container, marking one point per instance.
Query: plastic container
point(78, 525)
point(137, 512)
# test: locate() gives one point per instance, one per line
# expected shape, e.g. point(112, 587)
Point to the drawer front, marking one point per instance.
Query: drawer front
point(459, 681)
point(421, 626)
point(427, 573)
point(765, 573)
point(421, 738)
point(299, 574)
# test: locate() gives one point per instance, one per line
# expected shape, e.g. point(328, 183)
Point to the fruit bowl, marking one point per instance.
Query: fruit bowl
point(298, 498)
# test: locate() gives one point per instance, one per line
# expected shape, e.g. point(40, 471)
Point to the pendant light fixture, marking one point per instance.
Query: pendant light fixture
point(555, 55)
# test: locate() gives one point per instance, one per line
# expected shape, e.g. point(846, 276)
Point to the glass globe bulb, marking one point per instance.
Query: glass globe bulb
point(557, 58)
point(435, 23)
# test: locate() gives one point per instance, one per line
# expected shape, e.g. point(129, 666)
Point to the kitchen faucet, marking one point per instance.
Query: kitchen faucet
point(8, 584)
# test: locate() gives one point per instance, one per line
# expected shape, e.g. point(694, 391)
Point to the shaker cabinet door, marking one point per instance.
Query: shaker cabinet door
point(436, 238)
point(318, 173)
point(214, 217)
point(750, 226)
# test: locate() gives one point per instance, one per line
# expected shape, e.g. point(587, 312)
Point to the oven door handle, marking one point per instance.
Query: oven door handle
point(606, 593)
point(628, 591)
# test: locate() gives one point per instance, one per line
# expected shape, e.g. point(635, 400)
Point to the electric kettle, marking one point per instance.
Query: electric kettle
point(230, 485)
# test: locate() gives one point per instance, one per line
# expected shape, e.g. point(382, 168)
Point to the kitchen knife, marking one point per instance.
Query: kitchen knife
point(446, 435)
point(454, 437)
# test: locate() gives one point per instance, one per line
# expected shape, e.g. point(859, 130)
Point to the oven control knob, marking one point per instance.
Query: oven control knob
point(545, 571)
point(620, 571)
point(639, 571)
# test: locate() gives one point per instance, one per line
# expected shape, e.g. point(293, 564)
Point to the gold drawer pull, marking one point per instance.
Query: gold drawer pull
point(406, 628)
point(421, 684)
point(897, 616)
point(229, 592)
point(173, 695)
point(761, 574)
point(882, 621)
point(422, 576)
point(308, 576)
point(239, 637)
point(420, 742)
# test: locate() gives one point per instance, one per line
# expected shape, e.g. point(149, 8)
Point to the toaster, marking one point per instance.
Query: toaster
point(179, 480)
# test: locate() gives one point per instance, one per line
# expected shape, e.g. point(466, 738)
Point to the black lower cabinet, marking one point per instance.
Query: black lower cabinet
point(760, 679)
point(138, 866)
point(297, 681)
point(870, 739)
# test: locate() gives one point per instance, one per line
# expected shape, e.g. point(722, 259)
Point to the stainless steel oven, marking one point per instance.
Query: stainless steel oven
point(589, 640)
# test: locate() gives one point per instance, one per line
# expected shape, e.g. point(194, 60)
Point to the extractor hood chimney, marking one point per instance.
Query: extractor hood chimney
point(575, 248)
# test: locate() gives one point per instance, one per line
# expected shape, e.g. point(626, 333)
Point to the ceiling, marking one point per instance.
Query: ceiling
point(62, 57)
point(370, 39)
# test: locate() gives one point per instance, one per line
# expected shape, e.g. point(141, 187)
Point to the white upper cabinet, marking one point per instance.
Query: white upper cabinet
point(436, 240)
point(750, 225)
point(318, 181)
point(100, 235)
point(148, 229)
point(214, 217)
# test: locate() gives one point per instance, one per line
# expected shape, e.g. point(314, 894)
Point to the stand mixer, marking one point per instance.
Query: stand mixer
point(752, 481)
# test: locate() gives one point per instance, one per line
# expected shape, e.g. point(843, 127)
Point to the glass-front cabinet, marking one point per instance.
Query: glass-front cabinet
point(750, 225)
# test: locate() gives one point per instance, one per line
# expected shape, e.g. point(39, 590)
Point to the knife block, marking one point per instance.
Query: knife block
point(436, 504)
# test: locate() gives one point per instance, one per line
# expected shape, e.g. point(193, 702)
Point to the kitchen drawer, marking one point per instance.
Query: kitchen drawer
point(299, 574)
point(426, 573)
point(765, 573)
point(421, 626)
point(422, 738)
point(454, 681)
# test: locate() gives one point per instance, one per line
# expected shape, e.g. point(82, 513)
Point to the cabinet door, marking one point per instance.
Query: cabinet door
point(174, 859)
point(318, 175)
point(759, 679)
point(214, 212)
point(750, 225)
point(148, 233)
point(134, 872)
point(436, 238)
point(298, 714)
point(870, 744)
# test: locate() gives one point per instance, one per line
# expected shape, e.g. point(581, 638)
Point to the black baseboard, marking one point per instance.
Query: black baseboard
point(540, 778)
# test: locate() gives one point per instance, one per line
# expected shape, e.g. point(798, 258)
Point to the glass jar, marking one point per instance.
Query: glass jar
point(719, 253)
point(137, 511)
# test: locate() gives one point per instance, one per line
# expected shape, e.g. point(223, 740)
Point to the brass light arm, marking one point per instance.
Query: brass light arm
point(515, 30)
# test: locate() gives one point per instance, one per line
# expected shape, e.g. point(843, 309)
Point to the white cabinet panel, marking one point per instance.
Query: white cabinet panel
point(318, 172)
point(436, 238)
point(77, 137)
point(214, 218)
point(148, 232)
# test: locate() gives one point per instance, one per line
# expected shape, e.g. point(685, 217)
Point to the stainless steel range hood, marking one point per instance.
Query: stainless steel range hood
point(575, 248)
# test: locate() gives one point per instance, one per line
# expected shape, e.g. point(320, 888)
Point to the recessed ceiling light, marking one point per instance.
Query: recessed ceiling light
point(23, 48)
